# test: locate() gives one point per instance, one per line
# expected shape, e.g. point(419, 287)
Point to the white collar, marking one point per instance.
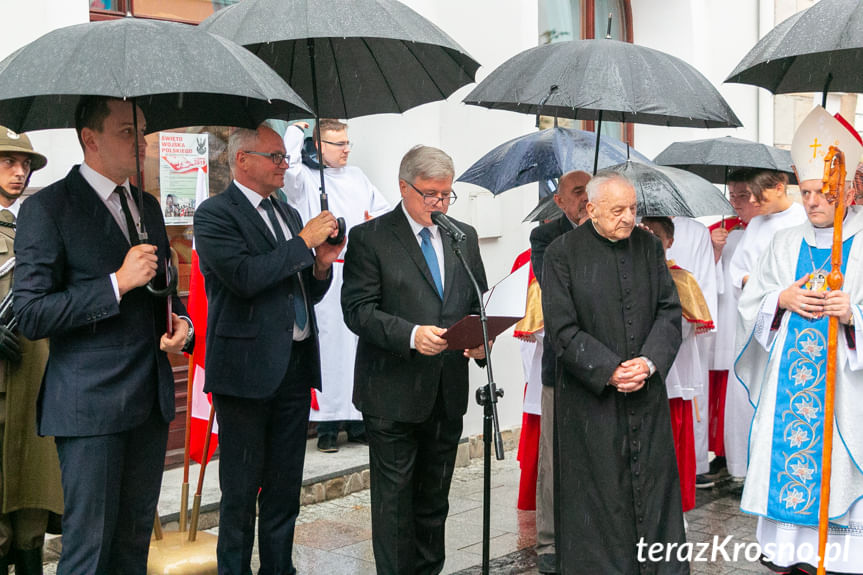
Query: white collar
point(14, 208)
point(254, 197)
point(417, 227)
point(103, 185)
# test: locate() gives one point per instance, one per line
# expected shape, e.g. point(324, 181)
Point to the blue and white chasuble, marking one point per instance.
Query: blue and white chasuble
point(798, 426)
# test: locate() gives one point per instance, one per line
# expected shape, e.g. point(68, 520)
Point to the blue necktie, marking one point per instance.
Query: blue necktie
point(300, 316)
point(431, 259)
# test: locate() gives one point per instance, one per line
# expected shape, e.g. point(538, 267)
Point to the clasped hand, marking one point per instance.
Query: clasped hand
point(815, 304)
point(630, 375)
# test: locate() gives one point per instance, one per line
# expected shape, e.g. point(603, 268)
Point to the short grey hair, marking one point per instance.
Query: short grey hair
point(243, 139)
point(600, 180)
point(426, 162)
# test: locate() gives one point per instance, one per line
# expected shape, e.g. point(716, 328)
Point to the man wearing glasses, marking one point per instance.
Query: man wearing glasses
point(403, 287)
point(353, 197)
point(262, 282)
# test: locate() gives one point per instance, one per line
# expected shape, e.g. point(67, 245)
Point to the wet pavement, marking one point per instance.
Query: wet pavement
point(334, 537)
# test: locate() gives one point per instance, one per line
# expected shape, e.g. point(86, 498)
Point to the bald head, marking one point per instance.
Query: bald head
point(571, 195)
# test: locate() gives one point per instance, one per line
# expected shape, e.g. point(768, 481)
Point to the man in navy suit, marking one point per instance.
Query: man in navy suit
point(403, 288)
point(108, 390)
point(262, 281)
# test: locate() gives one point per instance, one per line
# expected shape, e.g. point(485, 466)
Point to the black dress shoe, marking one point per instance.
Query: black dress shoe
point(703, 481)
point(359, 438)
point(327, 443)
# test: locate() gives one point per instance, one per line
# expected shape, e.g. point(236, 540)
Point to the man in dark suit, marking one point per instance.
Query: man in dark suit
point(571, 197)
point(262, 282)
point(108, 390)
point(403, 286)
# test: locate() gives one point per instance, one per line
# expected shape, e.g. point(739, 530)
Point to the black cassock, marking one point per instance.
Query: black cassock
point(615, 468)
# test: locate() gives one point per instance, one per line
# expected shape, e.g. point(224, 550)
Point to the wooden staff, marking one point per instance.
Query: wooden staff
point(187, 444)
point(834, 189)
point(196, 505)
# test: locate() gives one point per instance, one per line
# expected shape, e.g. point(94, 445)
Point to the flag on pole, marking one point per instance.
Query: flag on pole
point(199, 402)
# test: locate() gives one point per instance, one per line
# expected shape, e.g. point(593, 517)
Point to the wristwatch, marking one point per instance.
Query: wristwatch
point(190, 335)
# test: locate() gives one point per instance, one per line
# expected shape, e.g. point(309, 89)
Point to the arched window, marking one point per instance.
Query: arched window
point(563, 20)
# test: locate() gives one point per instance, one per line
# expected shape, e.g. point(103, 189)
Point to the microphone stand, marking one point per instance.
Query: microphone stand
point(487, 397)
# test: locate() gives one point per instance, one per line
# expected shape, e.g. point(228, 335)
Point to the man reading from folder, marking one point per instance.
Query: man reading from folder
point(411, 390)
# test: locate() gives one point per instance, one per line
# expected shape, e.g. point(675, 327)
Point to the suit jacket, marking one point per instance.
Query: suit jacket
point(540, 237)
point(105, 368)
point(388, 289)
point(250, 296)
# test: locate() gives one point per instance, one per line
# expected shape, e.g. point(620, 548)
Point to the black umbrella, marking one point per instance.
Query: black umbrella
point(545, 210)
point(666, 191)
point(604, 80)
point(715, 158)
point(178, 75)
point(544, 155)
point(815, 50)
point(369, 56)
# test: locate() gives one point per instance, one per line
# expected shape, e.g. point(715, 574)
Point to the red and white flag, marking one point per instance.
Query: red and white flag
point(200, 401)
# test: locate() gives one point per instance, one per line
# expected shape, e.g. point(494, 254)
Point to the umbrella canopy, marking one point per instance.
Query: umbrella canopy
point(544, 155)
point(815, 50)
point(715, 158)
point(179, 76)
point(604, 80)
point(370, 56)
point(546, 209)
point(665, 191)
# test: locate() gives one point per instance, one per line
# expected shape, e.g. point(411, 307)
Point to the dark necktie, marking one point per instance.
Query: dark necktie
point(300, 315)
point(431, 259)
point(130, 223)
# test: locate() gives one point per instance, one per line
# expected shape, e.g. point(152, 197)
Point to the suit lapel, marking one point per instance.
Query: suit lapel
point(245, 209)
point(288, 217)
point(402, 230)
point(97, 213)
point(450, 261)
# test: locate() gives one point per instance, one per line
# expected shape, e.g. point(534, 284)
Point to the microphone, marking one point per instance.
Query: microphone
point(448, 226)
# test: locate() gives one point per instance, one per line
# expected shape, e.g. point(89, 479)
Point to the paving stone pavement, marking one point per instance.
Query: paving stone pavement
point(334, 537)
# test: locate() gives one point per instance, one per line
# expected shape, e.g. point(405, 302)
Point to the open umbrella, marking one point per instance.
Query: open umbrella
point(713, 159)
point(545, 210)
point(815, 50)
point(542, 156)
point(604, 80)
point(179, 76)
point(368, 56)
point(665, 191)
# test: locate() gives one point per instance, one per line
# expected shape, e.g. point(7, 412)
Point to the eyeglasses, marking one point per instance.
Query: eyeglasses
point(340, 145)
point(276, 157)
point(431, 200)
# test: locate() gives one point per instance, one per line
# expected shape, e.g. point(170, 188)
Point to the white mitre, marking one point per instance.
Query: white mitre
point(813, 139)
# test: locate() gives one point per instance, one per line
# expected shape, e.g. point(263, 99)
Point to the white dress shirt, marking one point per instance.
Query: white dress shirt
point(437, 244)
point(104, 188)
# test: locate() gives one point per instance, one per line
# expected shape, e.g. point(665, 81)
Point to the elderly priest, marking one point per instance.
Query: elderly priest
point(613, 313)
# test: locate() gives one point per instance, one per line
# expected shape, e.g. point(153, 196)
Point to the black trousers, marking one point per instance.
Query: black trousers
point(262, 443)
point(411, 466)
point(111, 485)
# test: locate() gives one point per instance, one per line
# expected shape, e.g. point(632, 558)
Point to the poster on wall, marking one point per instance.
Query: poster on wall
point(183, 168)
